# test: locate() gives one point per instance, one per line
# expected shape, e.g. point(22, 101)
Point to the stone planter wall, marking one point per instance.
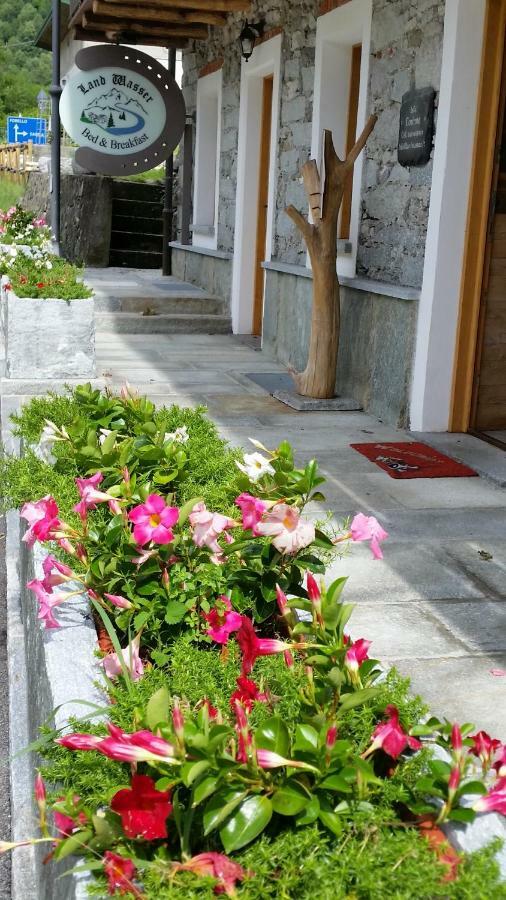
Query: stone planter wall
point(47, 339)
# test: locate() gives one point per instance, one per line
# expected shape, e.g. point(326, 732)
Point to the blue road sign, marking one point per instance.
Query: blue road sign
point(21, 130)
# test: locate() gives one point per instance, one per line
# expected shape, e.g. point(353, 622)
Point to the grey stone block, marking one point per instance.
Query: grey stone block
point(49, 338)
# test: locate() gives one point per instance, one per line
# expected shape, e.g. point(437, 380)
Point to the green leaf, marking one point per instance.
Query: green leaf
point(306, 738)
point(220, 807)
point(204, 789)
point(472, 787)
point(311, 813)
point(289, 800)
point(336, 783)
point(157, 709)
point(462, 815)
point(349, 701)
point(191, 771)
point(175, 612)
point(331, 821)
point(76, 843)
point(273, 735)
point(247, 823)
point(108, 445)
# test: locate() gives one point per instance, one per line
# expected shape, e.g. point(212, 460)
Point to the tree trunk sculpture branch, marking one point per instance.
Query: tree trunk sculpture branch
point(319, 377)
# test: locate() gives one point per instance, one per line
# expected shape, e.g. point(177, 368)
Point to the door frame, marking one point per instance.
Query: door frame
point(266, 60)
point(468, 346)
point(263, 202)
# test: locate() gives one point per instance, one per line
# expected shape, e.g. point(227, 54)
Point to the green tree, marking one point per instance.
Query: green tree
point(25, 68)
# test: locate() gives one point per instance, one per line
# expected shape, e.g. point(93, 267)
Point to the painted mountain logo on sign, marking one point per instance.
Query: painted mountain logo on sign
point(115, 113)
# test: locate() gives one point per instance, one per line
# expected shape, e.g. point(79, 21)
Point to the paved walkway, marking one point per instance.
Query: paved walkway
point(436, 606)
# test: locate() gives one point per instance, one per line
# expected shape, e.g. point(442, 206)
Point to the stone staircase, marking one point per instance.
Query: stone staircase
point(133, 301)
point(137, 226)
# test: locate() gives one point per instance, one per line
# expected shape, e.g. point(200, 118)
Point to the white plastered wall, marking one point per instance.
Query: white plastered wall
point(266, 60)
point(336, 34)
point(207, 160)
point(438, 314)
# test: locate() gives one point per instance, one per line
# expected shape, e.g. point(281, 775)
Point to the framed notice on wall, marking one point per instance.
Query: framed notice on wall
point(123, 109)
point(416, 127)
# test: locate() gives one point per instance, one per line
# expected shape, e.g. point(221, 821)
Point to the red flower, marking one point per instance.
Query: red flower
point(119, 871)
point(484, 747)
point(252, 646)
point(40, 284)
point(143, 809)
point(215, 865)
point(390, 736)
point(247, 694)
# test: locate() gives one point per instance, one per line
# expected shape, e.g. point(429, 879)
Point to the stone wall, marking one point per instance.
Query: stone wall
point(376, 344)
point(86, 214)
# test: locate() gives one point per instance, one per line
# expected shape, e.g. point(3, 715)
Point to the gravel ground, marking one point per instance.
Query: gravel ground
point(5, 809)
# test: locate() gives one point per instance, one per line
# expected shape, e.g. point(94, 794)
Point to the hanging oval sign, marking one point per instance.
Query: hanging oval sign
point(123, 109)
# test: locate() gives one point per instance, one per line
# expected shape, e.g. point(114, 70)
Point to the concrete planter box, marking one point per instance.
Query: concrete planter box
point(47, 339)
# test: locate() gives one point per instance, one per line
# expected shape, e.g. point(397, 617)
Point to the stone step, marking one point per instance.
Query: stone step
point(146, 242)
point(184, 302)
point(133, 323)
point(135, 259)
point(137, 190)
point(136, 224)
point(137, 208)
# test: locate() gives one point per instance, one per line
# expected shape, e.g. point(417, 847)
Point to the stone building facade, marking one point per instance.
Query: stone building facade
point(387, 321)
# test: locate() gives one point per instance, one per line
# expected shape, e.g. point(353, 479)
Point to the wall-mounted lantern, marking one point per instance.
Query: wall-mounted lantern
point(249, 36)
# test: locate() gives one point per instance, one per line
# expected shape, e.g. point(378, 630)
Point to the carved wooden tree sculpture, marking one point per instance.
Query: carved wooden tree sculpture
point(319, 377)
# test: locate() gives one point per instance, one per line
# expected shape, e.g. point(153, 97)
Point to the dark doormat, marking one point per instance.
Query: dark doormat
point(281, 386)
point(413, 460)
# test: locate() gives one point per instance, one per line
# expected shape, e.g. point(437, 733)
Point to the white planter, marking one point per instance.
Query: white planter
point(47, 339)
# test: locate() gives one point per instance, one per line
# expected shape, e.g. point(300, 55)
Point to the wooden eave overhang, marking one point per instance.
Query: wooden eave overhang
point(164, 23)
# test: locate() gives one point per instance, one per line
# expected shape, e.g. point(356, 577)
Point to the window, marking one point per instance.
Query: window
point(340, 102)
point(207, 161)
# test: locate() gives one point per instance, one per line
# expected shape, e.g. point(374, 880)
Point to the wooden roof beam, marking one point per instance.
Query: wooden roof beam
point(149, 13)
point(225, 6)
point(145, 29)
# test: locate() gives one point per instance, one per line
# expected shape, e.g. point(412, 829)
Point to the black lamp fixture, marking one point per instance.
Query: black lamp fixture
point(249, 36)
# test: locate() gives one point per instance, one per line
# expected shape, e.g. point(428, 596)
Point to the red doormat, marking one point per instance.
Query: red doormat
point(413, 460)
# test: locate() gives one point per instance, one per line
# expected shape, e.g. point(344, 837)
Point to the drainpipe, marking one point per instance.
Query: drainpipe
point(55, 92)
point(168, 193)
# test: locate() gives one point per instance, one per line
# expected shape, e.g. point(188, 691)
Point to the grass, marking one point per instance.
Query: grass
point(10, 191)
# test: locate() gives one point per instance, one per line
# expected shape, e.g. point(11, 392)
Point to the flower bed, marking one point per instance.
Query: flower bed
point(43, 337)
point(245, 749)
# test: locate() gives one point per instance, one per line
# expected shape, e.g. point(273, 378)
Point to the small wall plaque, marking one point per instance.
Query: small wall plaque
point(416, 127)
point(125, 111)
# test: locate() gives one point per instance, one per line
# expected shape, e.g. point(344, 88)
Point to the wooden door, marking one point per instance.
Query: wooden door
point(263, 202)
point(489, 400)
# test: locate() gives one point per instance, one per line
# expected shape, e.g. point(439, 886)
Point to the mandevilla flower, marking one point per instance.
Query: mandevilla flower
point(313, 589)
point(252, 511)
point(153, 521)
point(267, 759)
point(495, 800)
point(484, 747)
point(390, 736)
point(255, 466)
point(119, 872)
point(141, 746)
point(143, 809)
point(79, 741)
point(42, 517)
point(215, 865)
point(207, 527)
point(500, 763)
point(253, 646)
point(289, 532)
point(119, 601)
point(131, 662)
point(40, 793)
point(282, 601)
point(52, 580)
point(356, 654)
point(367, 528)
point(179, 436)
point(223, 621)
point(247, 694)
point(47, 603)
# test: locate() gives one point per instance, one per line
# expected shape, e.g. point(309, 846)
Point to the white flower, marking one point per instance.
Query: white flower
point(104, 434)
point(49, 264)
point(255, 466)
point(179, 436)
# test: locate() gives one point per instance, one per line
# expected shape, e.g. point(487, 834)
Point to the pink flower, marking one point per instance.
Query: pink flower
point(223, 621)
point(495, 800)
point(289, 660)
point(247, 694)
point(391, 738)
point(357, 654)
point(267, 759)
point(63, 823)
point(484, 747)
point(313, 590)
point(119, 872)
point(282, 601)
point(456, 739)
point(252, 511)
point(92, 482)
point(42, 517)
point(79, 741)
point(40, 792)
point(141, 746)
point(132, 662)
point(119, 601)
point(52, 580)
point(331, 737)
point(207, 527)
point(367, 528)
point(47, 602)
point(252, 646)
point(153, 521)
point(215, 865)
point(290, 533)
point(87, 488)
point(178, 722)
point(243, 733)
point(500, 764)
point(454, 780)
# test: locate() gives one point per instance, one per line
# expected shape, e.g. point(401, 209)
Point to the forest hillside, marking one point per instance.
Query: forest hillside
point(24, 68)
